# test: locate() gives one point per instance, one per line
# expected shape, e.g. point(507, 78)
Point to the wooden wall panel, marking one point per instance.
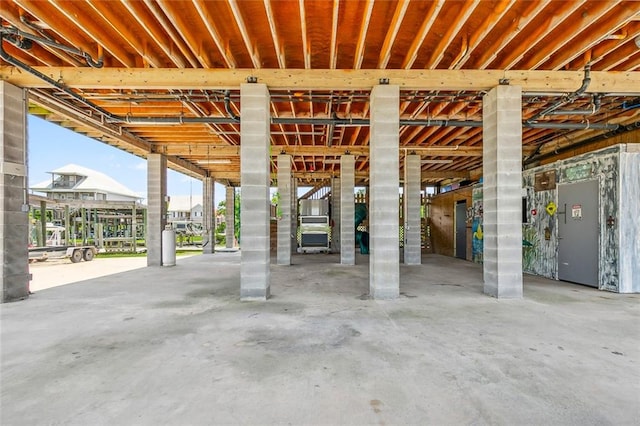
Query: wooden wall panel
point(442, 219)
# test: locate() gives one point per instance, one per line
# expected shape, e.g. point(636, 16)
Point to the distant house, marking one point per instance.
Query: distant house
point(185, 208)
point(73, 182)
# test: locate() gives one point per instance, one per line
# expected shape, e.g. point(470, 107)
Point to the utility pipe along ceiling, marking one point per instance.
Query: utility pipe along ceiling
point(163, 76)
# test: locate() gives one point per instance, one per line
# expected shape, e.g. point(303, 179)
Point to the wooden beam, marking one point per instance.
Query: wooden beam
point(626, 82)
point(217, 151)
point(445, 174)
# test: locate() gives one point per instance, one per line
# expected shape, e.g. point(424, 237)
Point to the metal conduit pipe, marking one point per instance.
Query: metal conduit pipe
point(227, 106)
point(566, 99)
point(351, 122)
point(16, 62)
point(571, 126)
point(618, 131)
point(595, 107)
point(42, 40)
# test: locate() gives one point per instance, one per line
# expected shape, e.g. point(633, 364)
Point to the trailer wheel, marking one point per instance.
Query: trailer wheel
point(76, 256)
point(88, 255)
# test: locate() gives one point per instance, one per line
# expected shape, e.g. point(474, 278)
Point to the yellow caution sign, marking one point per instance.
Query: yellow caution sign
point(551, 208)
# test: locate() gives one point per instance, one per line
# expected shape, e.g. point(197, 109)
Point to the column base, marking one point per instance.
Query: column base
point(255, 294)
point(384, 293)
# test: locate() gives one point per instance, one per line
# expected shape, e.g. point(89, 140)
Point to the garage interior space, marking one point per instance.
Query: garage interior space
point(171, 346)
point(411, 183)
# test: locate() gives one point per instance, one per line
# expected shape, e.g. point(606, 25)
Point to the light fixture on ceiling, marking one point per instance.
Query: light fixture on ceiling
point(637, 41)
point(218, 161)
point(437, 161)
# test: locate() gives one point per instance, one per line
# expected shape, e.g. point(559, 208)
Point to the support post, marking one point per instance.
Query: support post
point(42, 241)
point(294, 215)
point(208, 216)
point(157, 206)
point(134, 229)
point(255, 205)
point(384, 210)
point(502, 191)
point(335, 215)
point(230, 216)
point(14, 206)
point(411, 205)
point(284, 210)
point(347, 211)
point(67, 224)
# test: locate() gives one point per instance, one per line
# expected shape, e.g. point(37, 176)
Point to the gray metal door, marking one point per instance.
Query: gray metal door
point(578, 230)
point(461, 229)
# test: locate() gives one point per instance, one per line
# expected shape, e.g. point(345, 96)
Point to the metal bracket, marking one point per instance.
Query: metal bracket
point(503, 82)
point(252, 79)
point(383, 81)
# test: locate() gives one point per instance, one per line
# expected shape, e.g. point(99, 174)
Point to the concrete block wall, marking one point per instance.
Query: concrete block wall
point(208, 215)
point(335, 215)
point(294, 215)
point(157, 206)
point(255, 202)
point(230, 202)
point(502, 174)
point(384, 198)
point(284, 210)
point(14, 219)
point(411, 200)
point(347, 211)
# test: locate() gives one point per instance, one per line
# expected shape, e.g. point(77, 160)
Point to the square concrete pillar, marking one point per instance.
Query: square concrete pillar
point(255, 203)
point(335, 215)
point(208, 215)
point(14, 205)
point(294, 215)
point(411, 205)
point(284, 210)
point(229, 217)
point(502, 191)
point(384, 180)
point(156, 206)
point(347, 210)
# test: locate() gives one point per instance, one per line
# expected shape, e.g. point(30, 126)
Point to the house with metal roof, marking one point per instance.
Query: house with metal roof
point(73, 182)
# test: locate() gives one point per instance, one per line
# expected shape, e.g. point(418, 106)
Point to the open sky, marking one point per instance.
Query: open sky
point(52, 146)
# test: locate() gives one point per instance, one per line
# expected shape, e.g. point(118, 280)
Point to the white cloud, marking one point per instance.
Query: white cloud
point(140, 166)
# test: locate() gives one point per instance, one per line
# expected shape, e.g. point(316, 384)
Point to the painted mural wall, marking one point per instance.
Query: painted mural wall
point(617, 171)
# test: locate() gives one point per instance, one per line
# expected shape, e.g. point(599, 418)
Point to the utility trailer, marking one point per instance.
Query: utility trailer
point(73, 253)
point(56, 248)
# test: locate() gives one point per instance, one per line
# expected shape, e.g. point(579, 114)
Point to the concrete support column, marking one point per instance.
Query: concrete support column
point(284, 210)
point(230, 216)
point(294, 215)
point(156, 206)
point(411, 206)
point(335, 215)
point(502, 191)
point(208, 215)
point(384, 209)
point(347, 211)
point(14, 206)
point(255, 203)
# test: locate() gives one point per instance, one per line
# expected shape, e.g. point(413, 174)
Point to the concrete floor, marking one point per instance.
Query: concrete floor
point(176, 346)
